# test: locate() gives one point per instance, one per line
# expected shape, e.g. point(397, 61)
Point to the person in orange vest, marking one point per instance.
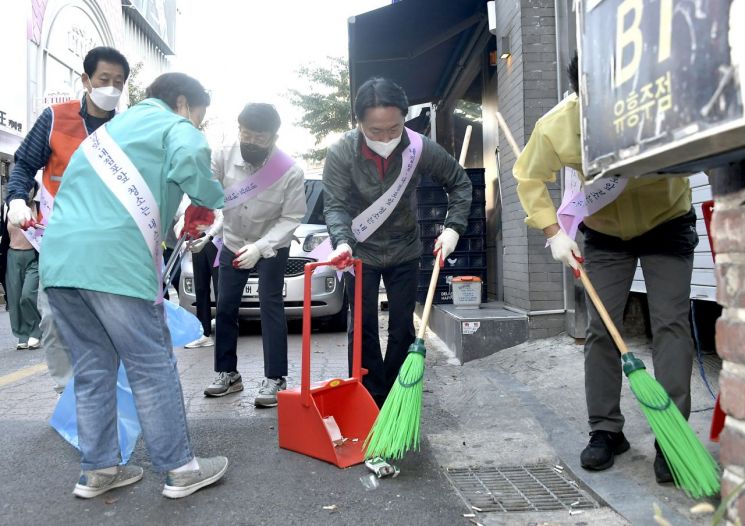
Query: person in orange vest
point(57, 133)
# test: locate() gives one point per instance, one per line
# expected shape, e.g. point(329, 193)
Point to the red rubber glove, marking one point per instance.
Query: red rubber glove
point(196, 220)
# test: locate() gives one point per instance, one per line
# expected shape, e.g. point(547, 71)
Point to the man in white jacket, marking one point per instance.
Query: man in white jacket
point(265, 201)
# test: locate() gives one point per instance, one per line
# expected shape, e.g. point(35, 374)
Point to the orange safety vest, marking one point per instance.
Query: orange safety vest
point(68, 131)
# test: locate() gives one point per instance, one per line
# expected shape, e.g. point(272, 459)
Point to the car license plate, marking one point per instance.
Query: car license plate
point(252, 290)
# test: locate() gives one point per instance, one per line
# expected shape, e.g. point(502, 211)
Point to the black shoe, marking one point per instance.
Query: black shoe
point(602, 449)
point(661, 469)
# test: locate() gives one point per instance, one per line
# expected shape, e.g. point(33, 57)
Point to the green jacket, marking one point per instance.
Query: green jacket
point(351, 183)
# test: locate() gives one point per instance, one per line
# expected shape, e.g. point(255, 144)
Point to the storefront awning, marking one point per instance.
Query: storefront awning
point(416, 43)
point(9, 143)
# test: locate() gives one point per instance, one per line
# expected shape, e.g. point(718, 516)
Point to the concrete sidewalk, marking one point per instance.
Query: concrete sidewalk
point(526, 405)
point(523, 405)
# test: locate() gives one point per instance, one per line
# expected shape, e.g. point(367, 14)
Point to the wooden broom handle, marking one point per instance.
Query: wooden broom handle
point(430, 297)
point(582, 274)
point(601, 310)
point(508, 134)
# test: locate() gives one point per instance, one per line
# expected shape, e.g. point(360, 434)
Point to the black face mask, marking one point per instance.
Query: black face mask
point(253, 154)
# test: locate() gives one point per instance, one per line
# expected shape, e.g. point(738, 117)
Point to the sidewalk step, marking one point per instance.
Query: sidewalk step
point(476, 333)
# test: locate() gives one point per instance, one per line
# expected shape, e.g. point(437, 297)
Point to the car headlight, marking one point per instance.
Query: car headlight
point(313, 240)
point(188, 286)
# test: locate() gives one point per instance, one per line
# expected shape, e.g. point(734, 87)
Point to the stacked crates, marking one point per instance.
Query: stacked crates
point(469, 258)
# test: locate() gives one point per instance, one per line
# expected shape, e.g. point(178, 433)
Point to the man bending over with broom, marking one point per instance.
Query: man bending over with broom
point(649, 220)
point(369, 181)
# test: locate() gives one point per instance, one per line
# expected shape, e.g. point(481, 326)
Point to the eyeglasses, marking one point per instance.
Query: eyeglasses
point(261, 139)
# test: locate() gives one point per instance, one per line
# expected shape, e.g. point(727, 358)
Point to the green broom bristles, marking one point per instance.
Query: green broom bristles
point(396, 430)
point(693, 468)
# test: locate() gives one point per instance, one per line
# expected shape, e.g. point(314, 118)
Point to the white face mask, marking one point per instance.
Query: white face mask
point(384, 149)
point(105, 98)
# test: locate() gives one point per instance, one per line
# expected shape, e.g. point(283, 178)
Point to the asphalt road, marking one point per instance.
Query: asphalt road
point(264, 484)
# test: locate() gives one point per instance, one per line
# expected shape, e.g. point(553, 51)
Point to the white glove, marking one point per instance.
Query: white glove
point(247, 257)
point(340, 250)
point(197, 245)
point(564, 249)
point(179, 226)
point(446, 241)
point(19, 213)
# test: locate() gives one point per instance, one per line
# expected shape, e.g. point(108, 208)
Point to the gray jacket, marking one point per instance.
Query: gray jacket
point(351, 183)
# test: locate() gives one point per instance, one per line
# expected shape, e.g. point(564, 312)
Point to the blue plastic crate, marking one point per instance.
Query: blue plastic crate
point(433, 228)
point(476, 175)
point(443, 296)
point(465, 244)
point(432, 212)
point(455, 260)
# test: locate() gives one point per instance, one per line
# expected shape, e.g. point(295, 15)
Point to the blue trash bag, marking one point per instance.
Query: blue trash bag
point(183, 325)
point(184, 328)
point(64, 419)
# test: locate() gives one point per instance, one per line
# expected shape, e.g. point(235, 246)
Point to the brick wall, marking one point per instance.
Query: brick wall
point(527, 90)
point(729, 241)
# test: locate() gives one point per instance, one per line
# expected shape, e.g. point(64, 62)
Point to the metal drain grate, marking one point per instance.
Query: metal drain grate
point(527, 488)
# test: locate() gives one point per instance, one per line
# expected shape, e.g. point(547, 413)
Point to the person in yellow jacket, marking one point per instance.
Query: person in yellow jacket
point(651, 221)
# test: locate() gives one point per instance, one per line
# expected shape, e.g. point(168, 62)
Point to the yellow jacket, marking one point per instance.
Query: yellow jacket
point(555, 143)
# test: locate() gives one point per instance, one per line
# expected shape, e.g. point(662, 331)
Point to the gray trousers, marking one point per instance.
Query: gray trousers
point(666, 256)
point(59, 361)
point(22, 284)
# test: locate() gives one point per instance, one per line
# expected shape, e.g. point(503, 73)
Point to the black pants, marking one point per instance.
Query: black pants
point(400, 284)
point(205, 274)
point(666, 256)
point(175, 274)
point(273, 322)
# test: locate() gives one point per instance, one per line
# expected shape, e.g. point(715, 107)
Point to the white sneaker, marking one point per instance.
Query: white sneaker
point(183, 484)
point(34, 343)
point(203, 341)
point(21, 346)
point(94, 483)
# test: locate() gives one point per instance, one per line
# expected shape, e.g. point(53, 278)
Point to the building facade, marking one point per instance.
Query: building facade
point(44, 43)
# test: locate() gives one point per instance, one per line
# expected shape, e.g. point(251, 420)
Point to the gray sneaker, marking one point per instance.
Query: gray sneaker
point(94, 483)
point(225, 383)
point(268, 392)
point(185, 483)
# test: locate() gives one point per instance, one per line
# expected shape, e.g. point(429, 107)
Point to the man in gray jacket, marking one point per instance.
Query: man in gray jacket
point(370, 179)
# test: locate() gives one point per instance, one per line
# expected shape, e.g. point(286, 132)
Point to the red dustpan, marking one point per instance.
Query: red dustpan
point(328, 420)
point(717, 419)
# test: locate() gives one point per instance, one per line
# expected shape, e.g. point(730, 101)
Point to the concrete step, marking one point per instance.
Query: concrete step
point(476, 333)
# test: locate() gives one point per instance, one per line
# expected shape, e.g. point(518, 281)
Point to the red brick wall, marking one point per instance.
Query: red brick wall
point(729, 242)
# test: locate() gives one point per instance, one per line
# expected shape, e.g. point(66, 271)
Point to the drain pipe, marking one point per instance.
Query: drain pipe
point(511, 140)
point(535, 312)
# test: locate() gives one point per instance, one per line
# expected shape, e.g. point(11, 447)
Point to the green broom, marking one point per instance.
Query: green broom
point(693, 468)
point(396, 430)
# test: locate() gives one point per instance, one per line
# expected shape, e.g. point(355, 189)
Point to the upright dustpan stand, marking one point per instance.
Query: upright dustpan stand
point(308, 417)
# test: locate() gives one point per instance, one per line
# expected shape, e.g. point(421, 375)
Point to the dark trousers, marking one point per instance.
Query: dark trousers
point(400, 285)
point(205, 273)
point(175, 274)
point(273, 322)
point(666, 256)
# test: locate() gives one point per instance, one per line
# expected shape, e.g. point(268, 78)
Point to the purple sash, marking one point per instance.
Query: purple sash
point(267, 175)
